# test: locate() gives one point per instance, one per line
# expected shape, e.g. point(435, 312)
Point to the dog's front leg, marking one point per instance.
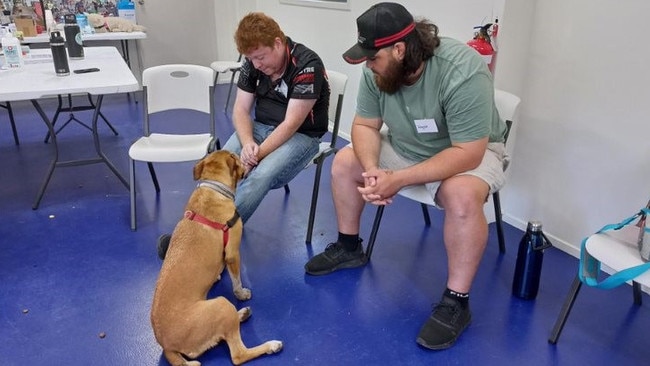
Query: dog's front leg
point(233, 265)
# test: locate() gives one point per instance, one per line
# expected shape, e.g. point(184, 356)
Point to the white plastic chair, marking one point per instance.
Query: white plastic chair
point(507, 105)
point(173, 87)
point(337, 82)
point(616, 249)
point(227, 66)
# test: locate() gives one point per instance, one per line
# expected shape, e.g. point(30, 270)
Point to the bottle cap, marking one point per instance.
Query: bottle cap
point(56, 37)
point(70, 19)
point(534, 226)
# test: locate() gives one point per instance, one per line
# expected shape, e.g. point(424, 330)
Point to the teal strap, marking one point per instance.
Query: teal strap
point(590, 266)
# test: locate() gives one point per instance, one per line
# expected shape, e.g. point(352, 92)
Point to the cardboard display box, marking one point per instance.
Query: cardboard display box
point(27, 26)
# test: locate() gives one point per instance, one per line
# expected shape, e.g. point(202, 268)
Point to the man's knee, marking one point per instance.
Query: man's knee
point(258, 179)
point(345, 163)
point(463, 194)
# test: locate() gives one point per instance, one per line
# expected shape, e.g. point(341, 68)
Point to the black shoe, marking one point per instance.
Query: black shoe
point(444, 326)
point(336, 257)
point(163, 244)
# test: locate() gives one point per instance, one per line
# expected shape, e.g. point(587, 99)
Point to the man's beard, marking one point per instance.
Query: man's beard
point(393, 77)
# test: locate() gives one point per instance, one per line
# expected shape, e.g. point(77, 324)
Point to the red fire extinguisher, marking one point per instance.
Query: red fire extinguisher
point(484, 44)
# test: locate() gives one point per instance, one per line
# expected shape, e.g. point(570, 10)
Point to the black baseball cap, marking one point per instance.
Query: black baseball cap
point(382, 25)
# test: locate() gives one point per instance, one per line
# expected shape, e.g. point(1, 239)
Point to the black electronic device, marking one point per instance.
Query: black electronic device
point(84, 71)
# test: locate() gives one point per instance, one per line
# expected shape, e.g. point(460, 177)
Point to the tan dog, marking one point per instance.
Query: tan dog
point(103, 24)
point(206, 240)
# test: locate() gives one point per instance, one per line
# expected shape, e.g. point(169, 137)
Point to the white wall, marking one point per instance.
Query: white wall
point(580, 151)
point(331, 32)
point(177, 32)
point(580, 147)
point(227, 16)
point(581, 158)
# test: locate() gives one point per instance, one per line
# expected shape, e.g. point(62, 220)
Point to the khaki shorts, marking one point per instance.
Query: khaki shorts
point(491, 170)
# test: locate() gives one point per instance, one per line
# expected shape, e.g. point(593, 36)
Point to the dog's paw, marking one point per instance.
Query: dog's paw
point(274, 347)
point(242, 294)
point(244, 314)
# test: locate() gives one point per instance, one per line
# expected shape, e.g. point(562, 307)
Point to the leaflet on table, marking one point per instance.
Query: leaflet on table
point(40, 58)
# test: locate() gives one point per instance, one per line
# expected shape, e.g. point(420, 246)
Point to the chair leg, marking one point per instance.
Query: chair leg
point(566, 309)
point(13, 122)
point(214, 145)
point(132, 194)
point(232, 81)
point(216, 78)
point(499, 221)
point(425, 214)
point(153, 177)
point(373, 232)
point(286, 189)
point(636, 292)
point(314, 201)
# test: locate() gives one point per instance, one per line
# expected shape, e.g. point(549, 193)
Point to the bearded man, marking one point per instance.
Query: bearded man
point(435, 95)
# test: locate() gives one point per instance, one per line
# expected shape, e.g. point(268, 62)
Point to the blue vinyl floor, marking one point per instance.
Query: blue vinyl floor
point(76, 283)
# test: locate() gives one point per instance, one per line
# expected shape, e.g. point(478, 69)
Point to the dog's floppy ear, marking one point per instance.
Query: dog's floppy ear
point(198, 169)
point(236, 167)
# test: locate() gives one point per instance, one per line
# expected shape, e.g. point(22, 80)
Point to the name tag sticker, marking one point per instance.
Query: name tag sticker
point(426, 125)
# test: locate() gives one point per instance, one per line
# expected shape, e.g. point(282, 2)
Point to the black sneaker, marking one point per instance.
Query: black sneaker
point(444, 326)
point(163, 244)
point(335, 257)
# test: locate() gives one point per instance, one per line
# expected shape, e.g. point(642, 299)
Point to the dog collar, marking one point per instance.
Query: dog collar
point(105, 25)
point(219, 187)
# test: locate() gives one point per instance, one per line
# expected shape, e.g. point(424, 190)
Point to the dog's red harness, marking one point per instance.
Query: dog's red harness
point(193, 216)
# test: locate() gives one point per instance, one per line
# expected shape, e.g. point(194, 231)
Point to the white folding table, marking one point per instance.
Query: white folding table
point(37, 80)
point(123, 37)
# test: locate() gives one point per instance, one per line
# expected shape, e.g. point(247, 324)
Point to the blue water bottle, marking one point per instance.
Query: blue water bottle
point(529, 261)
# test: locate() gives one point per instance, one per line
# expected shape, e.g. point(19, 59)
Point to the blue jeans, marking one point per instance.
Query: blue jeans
point(274, 171)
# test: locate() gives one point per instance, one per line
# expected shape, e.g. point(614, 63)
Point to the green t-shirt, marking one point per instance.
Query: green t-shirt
point(453, 100)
